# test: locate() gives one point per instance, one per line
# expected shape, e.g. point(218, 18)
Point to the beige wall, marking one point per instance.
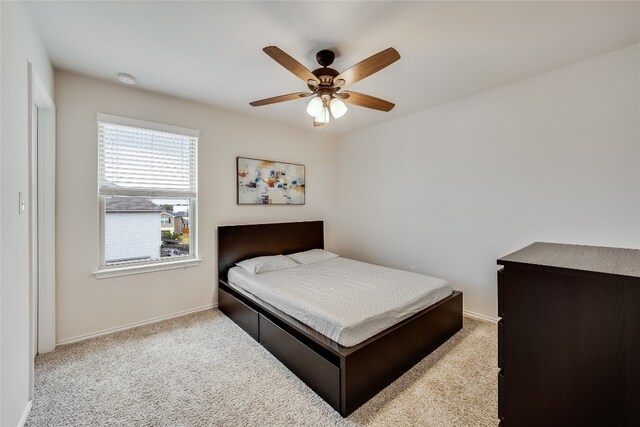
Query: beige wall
point(20, 45)
point(86, 305)
point(451, 189)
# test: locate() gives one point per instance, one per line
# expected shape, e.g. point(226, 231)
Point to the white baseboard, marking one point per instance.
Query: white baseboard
point(25, 414)
point(134, 325)
point(481, 316)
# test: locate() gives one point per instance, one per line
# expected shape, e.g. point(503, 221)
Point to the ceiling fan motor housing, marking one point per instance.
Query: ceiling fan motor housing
point(325, 75)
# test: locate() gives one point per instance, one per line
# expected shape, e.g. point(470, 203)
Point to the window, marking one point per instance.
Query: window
point(145, 170)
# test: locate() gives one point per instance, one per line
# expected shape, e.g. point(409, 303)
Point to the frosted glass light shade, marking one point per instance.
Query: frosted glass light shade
point(338, 108)
point(314, 107)
point(324, 116)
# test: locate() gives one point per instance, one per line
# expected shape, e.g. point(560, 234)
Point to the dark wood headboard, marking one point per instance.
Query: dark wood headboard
point(238, 242)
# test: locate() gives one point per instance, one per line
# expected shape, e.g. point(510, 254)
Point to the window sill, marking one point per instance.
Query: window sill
point(106, 273)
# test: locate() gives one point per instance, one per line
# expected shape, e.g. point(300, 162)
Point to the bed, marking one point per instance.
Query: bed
point(345, 371)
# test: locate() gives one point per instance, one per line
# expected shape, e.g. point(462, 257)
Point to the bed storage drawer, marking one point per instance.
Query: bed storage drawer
point(243, 315)
point(318, 373)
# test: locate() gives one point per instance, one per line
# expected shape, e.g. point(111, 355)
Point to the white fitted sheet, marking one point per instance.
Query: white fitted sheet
point(346, 300)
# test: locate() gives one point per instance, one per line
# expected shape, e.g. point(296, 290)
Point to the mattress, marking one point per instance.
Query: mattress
point(346, 300)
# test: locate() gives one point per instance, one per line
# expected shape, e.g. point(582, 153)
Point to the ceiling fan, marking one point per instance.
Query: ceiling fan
point(326, 83)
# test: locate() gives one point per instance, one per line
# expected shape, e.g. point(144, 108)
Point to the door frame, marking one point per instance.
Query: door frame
point(42, 179)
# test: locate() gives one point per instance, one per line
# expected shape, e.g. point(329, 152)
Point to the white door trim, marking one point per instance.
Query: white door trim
point(43, 233)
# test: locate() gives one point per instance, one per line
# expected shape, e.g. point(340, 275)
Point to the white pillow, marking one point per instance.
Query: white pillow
point(263, 264)
point(312, 256)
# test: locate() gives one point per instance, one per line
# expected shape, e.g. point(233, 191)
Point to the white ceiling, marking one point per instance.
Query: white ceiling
point(211, 52)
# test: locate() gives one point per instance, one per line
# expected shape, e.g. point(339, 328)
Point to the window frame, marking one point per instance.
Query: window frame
point(115, 269)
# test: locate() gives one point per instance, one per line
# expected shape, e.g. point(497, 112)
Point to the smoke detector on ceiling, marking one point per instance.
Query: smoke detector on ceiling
point(126, 78)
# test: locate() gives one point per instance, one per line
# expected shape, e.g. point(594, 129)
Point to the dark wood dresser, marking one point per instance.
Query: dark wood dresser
point(569, 337)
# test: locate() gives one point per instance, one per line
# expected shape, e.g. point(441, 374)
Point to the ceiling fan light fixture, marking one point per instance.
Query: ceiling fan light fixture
point(314, 107)
point(338, 108)
point(324, 116)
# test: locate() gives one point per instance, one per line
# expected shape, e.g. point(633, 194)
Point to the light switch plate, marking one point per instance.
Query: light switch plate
point(21, 203)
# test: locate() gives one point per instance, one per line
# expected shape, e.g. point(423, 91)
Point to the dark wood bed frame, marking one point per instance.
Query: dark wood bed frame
point(345, 377)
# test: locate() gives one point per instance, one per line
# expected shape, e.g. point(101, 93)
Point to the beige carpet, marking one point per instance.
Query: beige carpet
point(202, 370)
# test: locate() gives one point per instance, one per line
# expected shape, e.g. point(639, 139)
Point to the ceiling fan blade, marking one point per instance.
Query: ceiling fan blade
point(371, 65)
point(317, 123)
point(367, 101)
point(291, 64)
point(281, 98)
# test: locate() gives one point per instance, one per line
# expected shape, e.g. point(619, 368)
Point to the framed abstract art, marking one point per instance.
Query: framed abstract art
point(267, 182)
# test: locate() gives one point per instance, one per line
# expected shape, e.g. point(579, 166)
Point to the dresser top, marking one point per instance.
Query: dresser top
point(623, 262)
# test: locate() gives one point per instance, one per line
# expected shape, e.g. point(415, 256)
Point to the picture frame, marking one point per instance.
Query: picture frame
point(269, 182)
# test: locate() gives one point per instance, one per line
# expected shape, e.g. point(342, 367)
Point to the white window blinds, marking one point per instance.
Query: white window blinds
point(141, 158)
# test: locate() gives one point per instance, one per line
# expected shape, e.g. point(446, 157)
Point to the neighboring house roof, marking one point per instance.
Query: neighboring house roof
point(131, 204)
point(171, 214)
